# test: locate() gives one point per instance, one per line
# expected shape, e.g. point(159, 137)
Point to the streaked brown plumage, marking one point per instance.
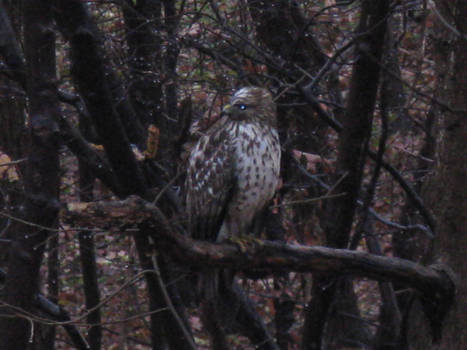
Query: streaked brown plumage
point(233, 170)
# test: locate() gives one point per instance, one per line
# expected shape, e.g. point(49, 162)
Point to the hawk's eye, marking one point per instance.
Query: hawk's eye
point(241, 106)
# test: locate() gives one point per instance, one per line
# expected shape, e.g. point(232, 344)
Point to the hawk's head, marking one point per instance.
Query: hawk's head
point(252, 104)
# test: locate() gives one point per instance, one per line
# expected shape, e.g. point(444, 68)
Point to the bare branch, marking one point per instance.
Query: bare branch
point(431, 283)
point(409, 190)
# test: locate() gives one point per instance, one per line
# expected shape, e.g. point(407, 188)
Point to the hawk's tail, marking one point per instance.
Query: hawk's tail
point(208, 284)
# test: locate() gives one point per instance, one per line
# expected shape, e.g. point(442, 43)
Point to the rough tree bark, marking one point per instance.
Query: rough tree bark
point(445, 190)
point(41, 181)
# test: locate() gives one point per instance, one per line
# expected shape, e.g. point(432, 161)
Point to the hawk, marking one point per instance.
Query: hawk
point(233, 170)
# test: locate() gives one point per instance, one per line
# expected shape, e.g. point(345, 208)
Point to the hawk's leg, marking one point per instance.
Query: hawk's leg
point(245, 242)
point(245, 237)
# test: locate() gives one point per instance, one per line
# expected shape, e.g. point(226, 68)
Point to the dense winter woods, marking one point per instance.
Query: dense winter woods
point(363, 245)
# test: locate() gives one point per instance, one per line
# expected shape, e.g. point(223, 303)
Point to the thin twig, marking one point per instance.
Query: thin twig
point(411, 193)
point(445, 22)
point(308, 200)
point(378, 217)
point(19, 312)
point(28, 223)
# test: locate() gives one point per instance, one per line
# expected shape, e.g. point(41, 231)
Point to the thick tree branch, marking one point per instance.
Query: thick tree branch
point(41, 180)
point(433, 283)
point(264, 255)
point(82, 149)
point(95, 82)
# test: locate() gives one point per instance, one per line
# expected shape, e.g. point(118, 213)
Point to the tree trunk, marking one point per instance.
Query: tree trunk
point(143, 25)
point(446, 192)
point(88, 261)
point(97, 84)
point(42, 177)
point(353, 144)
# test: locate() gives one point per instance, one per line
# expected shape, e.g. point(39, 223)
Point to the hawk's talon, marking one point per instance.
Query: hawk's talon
point(245, 242)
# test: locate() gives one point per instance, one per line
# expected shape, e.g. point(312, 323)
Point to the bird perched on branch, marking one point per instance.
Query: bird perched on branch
point(233, 172)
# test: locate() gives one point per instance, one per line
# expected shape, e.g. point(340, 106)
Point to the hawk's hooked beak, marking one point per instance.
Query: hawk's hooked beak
point(227, 110)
